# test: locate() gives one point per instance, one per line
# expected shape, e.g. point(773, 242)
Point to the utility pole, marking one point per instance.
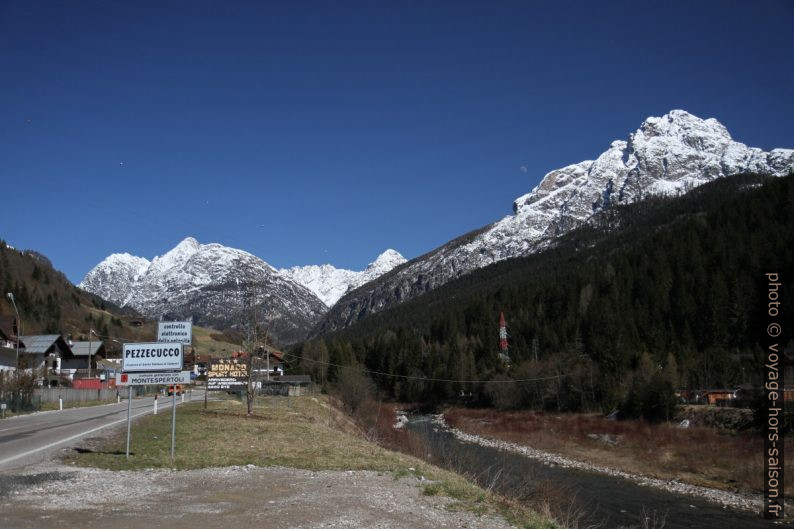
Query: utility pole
point(90, 332)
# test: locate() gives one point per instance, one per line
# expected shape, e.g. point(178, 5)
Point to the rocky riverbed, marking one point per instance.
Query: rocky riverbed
point(734, 500)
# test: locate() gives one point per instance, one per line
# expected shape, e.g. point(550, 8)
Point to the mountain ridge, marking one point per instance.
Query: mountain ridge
point(212, 283)
point(330, 283)
point(671, 154)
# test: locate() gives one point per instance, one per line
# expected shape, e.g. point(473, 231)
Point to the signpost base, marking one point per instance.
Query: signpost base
point(129, 418)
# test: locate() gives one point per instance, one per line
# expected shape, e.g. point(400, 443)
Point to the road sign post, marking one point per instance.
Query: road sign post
point(129, 418)
point(155, 363)
point(173, 423)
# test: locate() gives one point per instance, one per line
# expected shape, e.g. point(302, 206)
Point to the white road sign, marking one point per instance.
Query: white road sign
point(175, 331)
point(152, 379)
point(152, 357)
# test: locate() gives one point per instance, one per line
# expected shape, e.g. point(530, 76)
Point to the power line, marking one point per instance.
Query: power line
point(428, 379)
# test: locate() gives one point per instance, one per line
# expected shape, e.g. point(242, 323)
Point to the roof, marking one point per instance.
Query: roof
point(109, 363)
point(295, 379)
point(40, 343)
point(81, 348)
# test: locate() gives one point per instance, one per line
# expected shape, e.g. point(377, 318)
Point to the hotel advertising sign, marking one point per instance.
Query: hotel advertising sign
point(149, 357)
point(227, 375)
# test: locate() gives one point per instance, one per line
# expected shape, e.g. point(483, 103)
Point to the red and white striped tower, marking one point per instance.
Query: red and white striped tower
point(503, 353)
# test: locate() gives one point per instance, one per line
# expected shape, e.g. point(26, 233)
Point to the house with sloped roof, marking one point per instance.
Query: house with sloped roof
point(44, 353)
point(81, 352)
point(8, 349)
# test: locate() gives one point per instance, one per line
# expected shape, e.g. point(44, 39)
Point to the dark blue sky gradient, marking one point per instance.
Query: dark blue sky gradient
point(313, 132)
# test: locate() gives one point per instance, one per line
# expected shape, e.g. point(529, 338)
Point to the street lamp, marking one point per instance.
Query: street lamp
point(10, 297)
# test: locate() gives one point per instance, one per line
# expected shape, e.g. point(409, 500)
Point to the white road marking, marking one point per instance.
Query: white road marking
point(72, 438)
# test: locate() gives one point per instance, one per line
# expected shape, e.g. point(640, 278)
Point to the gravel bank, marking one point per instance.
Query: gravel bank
point(276, 497)
point(730, 499)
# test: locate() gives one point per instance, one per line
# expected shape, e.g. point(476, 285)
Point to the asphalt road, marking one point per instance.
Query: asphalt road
point(28, 439)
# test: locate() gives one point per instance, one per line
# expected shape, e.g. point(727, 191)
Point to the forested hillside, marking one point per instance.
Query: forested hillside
point(47, 301)
point(668, 291)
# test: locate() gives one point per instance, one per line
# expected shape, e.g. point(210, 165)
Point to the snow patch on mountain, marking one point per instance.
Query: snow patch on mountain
point(211, 283)
point(666, 155)
point(330, 283)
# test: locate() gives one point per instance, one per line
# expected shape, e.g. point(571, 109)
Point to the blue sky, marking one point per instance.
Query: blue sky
point(314, 132)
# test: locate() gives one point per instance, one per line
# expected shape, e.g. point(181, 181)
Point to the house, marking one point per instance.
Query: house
point(8, 348)
point(45, 352)
point(8, 331)
point(719, 397)
point(197, 364)
point(201, 363)
point(80, 355)
point(275, 361)
point(287, 385)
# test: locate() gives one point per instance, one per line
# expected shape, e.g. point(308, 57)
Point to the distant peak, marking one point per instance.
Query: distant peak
point(680, 123)
point(390, 255)
point(188, 242)
point(385, 262)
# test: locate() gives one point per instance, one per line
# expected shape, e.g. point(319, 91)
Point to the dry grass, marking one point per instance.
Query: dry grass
point(297, 432)
point(209, 341)
point(698, 455)
point(47, 406)
point(304, 432)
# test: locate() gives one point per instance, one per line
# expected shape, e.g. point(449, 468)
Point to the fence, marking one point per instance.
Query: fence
point(75, 395)
point(15, 402)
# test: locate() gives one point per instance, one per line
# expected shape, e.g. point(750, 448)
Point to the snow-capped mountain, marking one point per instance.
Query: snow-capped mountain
point(330, 283)
point(211, 283)
point(667, 155)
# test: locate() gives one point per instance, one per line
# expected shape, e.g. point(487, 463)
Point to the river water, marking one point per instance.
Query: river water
point(600, 499)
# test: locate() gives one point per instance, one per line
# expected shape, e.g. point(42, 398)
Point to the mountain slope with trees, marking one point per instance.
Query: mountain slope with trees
point(667, 292)
point(47, 301)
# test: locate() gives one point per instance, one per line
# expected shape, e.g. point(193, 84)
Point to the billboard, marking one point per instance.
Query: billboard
point(152, 357)
point(227, 375)
point(152, 379)
point(175, 332)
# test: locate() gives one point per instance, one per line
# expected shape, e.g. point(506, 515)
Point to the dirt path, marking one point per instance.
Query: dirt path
point(67, 497)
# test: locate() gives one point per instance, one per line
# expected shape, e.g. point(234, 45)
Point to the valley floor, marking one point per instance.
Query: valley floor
point(293, 463)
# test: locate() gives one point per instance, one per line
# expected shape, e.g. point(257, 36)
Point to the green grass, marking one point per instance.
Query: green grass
point(303, 432)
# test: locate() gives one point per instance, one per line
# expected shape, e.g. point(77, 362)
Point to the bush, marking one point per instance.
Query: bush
point(654, 400)
point(353, 388)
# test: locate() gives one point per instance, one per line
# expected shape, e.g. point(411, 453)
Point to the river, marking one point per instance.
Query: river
point(593, 497)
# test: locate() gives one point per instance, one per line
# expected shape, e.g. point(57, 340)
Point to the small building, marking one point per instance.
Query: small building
point(287, 385)
point(44, 353)
point(80, 357)
point(274, 360)
point(719, 397)
point(8, 349)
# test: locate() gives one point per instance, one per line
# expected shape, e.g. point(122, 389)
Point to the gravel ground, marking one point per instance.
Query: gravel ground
point(65, 496)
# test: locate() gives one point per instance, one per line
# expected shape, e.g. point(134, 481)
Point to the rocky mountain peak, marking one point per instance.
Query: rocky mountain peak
point(209, 283)
point(669, 155)
point(330, 283)
point(386, 261)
